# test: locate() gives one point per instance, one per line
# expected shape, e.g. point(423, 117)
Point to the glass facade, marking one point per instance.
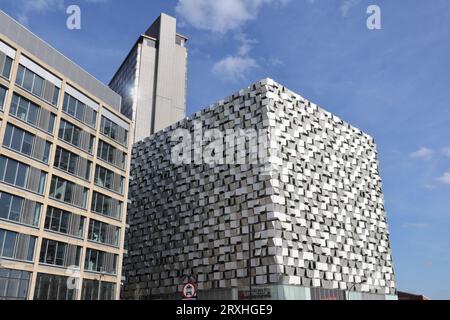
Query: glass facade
point(110, 154)
point(21, 175)
point(114, 131)
point(76, 136)
point(100, 262)
point(106, 206)
point(98, 290)
point(69, 192)
point(29, 112)
point(59, 254)
point(37, 85)
point(16, 246)
point(19, 210)
point(72, 163)
point(53, 287)
point(26, 143)
point(14, 284)
point(124, 82)
point(3, 92)
point(79, 111)
point(103, 233)
point(108, 179)
point(64, 222)
point(5, 65)
point(48, 174)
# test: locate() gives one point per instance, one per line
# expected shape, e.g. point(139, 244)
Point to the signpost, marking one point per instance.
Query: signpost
point(189, 291)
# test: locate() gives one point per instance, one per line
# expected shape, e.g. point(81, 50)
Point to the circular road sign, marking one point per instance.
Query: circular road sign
point(189, 291)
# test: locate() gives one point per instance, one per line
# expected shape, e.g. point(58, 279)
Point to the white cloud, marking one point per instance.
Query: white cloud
point(446, 151)
point(445, 178)
point(347, 5)
point(221, 15)
point(416, 225)
point(422, 153)
point(245, 44)
point(27, 8)
point(30, 7)
point(233, 68)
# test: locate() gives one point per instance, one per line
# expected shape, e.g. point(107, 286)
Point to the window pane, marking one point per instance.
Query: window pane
point(5, 202)
point(22, 110)
point(51, 124)
point(14, 105)
point(20, 74)
point(3, 162)
point(72, 106)
point(17, 136)
point(68, 195)
point(50, 254)
point(80, 112)
point(64, 160)
point(28, 80)
point(60, 254)
point(68, 132)
point(72, 164)
point(55, 96)
point(16, 209)
point(48, 146)
point(22, 174)
point(13, 288)
point(27, 143)
point(32, 114)
point(31, 249)
point(60, 187)
point(23, 289)
point(8, 136)
point(42, 181)
point(38, 85)
point(7, 67)
point(64, 227)
point(56, 220)
point(10, 242)
point(76, 137)
point(2, 97)
point(11, 170)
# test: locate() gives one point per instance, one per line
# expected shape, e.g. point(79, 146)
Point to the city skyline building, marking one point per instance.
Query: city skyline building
point(64, 160)
point(153, 78)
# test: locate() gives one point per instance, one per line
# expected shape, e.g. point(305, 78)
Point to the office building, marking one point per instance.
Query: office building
point(294, 211)
point(64, 160)
point(153, 78)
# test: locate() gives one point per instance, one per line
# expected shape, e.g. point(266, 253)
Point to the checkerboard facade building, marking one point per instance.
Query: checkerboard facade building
point(311, 210)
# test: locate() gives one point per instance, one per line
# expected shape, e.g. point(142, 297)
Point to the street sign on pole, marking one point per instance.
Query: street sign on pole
point(189, 291)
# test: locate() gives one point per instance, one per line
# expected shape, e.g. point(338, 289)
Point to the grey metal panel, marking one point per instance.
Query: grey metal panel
point(33, 44)
point(314, 201)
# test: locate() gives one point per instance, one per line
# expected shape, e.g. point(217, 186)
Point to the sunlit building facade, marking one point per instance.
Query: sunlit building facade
point(64, 157)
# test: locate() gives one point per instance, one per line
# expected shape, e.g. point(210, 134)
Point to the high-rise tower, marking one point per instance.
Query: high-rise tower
point(153, 78)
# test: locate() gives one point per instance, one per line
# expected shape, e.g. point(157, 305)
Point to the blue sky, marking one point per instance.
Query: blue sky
point(392, 83)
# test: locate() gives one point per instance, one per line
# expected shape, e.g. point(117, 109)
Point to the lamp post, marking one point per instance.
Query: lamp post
point(364, 280)
point(249, 267)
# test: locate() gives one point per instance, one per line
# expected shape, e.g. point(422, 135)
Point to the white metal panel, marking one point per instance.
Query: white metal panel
point(81, 97)
point(10, 52)
point(40, 71)
point(115, 119)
